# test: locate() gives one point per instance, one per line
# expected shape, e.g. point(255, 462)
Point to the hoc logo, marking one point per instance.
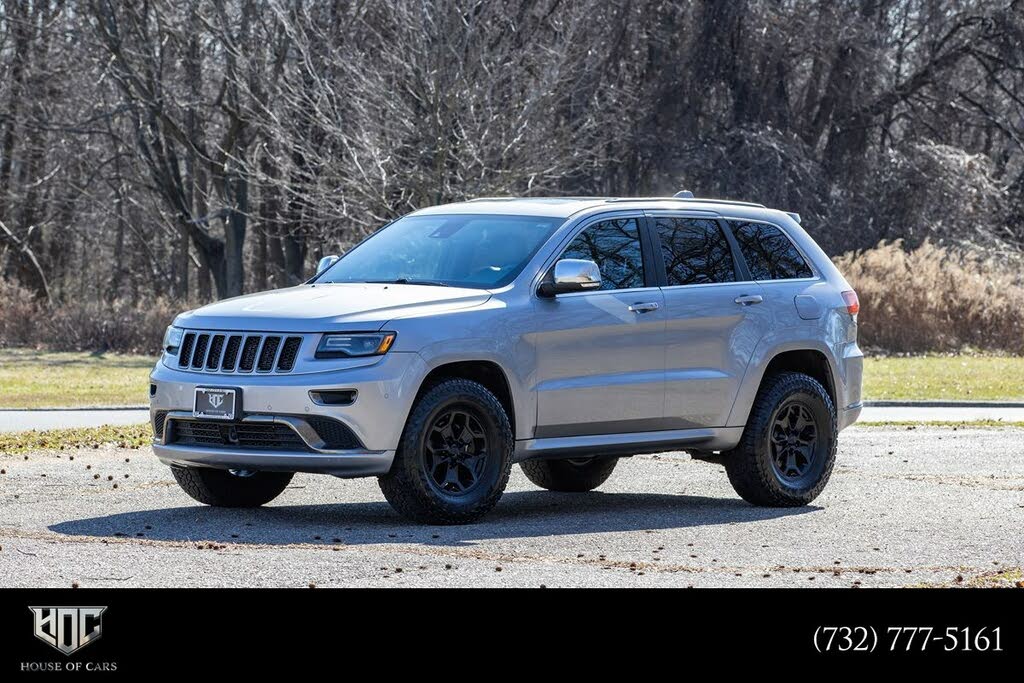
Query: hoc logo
point(216, 400)
point(68, 629)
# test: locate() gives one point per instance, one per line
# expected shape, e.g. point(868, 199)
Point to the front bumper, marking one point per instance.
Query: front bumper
point(384, 395)
point(349, 464)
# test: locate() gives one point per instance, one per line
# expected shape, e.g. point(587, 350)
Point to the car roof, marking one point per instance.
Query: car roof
point(564, 207)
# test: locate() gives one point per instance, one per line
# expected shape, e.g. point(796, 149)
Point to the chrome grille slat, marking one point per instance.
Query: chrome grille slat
point(289, 352)
point(268, 353)
point(231, 349)
point(216, 351)
point(199, 355)
point(277, 354)
point(186, 350)
point(250, 349)
point(212, 351)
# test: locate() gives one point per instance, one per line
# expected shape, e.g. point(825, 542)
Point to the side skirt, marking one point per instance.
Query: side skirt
point(635, 443)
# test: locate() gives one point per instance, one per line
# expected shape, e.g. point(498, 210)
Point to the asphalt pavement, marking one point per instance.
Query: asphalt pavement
point(905, 507)
point(23, 420)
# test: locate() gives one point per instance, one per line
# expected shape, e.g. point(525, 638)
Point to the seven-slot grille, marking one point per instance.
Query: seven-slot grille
point(228, 352)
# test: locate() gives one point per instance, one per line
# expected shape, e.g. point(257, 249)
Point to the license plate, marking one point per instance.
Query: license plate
point(218, 404)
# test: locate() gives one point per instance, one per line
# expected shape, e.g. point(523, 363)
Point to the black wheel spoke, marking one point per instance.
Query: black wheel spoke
point(467, 477)
point(793, 439)
point(778, 434)
point(807, 435)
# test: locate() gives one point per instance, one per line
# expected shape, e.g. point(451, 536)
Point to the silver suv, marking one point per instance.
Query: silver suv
point(560, 334)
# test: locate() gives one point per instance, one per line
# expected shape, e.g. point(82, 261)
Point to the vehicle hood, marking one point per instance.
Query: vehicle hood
point(327, 307)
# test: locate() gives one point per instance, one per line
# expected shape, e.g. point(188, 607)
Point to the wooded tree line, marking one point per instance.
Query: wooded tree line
point(199, 149)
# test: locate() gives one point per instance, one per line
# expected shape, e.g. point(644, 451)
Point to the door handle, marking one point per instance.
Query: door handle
point(644, 308)
point(748, 299)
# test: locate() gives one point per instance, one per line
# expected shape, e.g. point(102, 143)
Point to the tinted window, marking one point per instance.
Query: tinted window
point(464, 250)
point(695, 251)
point(769, 253)
point(615, 247)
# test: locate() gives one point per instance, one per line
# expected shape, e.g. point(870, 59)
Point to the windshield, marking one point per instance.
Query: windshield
point(458, 250)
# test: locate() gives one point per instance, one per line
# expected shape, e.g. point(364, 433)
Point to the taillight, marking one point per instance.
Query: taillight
point(852, 302)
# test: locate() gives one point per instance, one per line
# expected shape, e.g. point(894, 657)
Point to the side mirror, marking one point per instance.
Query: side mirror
point(325, 263)
point(572, 275)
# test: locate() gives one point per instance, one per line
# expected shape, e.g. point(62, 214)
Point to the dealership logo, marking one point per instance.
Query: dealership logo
point(215, 399)
point(68, 629)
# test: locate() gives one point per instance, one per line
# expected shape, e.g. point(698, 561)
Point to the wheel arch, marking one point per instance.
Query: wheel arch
point(484, 372)
point(807, 358)
point(810, 362)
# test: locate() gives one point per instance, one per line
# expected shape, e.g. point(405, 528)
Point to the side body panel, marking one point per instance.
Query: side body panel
point(709, 342)
point(600, 366)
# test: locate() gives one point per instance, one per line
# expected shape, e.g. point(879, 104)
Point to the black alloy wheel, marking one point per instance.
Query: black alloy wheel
point(454, 457)
point(455, 451)
point(788, 447)
point(793, 442)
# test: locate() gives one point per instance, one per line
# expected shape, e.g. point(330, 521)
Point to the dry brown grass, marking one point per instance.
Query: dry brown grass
point(936, 299)
point(127, 327)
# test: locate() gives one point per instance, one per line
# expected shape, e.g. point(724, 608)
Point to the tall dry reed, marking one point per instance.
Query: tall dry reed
point(936, 299)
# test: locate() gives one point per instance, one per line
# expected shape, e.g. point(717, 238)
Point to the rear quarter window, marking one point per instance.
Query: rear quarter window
point(769, 253)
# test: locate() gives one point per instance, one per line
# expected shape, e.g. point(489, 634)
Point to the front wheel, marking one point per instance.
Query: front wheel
point(788, 447)
point(573, 475)
point(454, 458)
point(231, 488)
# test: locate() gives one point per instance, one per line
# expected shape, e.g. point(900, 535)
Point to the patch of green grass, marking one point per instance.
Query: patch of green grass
point(41, 379)
point(129, 436)
point(960, 378)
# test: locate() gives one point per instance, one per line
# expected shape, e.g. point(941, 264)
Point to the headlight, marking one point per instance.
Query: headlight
point(172, 338)
point(354, 345)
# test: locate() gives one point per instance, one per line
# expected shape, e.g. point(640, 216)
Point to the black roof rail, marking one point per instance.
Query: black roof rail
point(677, 198)
point(684, 196)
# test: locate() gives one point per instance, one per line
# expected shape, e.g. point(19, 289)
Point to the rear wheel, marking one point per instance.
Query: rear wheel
point(788, 447)
point(574, 475)
point(231, 488)
point(455, 456)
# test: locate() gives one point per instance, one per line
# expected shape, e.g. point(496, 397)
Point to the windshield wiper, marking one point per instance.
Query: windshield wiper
point(409, 281)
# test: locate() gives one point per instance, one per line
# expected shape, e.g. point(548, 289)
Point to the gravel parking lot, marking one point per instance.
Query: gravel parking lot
point(905, 507)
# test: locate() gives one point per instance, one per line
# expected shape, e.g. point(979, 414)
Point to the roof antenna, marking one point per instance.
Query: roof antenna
point(685, 194)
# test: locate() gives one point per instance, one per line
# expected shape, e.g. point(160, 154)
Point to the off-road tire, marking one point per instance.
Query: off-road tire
point(406, 486)
point(571, 476)
point(749, 464)
point(220, 488)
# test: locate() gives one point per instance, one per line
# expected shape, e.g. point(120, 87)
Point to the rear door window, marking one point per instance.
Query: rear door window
point(769, 253)
point(695, 251)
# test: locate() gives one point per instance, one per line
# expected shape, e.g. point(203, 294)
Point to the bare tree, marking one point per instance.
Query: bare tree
point(205, 148)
